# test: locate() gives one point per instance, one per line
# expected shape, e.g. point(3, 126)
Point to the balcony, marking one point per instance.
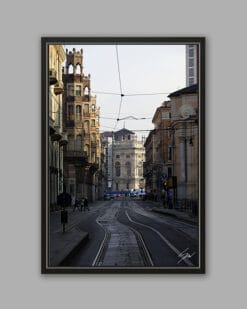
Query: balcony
point(64, 140)
point(55, 137)
point(58, 88)
point(93, 144)
point(86, 114)
point(76, 157)
point(52, 77)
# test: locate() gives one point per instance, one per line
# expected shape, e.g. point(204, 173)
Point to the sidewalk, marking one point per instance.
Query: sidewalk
point(159, 208)
point(63, 245)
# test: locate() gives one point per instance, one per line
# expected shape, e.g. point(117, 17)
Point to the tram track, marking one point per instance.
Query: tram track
point(143, 250)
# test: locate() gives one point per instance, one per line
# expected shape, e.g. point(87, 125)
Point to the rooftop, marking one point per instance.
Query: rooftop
point(187, 90)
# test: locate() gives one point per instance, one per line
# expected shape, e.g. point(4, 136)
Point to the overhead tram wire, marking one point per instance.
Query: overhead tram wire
point(121, 89)
point(130, 94)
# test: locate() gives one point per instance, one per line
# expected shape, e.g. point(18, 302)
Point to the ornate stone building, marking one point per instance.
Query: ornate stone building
point(81, 122)
point(184, 144)
point(172, 151)
point(157, 166)
point(128, 155)
point(57, 138)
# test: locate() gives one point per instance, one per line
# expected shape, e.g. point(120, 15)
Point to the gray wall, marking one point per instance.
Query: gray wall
point(22, 25)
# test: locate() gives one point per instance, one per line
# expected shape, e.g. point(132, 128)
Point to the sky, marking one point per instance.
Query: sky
point(141, 69)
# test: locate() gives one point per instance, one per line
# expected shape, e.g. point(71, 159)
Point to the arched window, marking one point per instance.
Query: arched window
point(86, 149)
point(128, 168)
point(70, 112)
point(93, 122)
point(70, 69)
point(78, 112)
point(117, 169)
point(70, 143)
point(78, 69)
point(78, 143)
point(86, 91)
point(86, 126)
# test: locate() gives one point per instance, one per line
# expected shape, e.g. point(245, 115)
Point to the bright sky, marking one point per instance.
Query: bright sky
point(144, 69)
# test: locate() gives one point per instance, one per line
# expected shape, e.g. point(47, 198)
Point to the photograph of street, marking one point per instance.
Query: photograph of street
point(122, 147)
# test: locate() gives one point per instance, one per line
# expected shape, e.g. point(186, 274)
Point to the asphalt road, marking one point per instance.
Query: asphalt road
point(126, 233)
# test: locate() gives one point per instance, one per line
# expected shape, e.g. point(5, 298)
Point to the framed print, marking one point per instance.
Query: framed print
point(123, 155)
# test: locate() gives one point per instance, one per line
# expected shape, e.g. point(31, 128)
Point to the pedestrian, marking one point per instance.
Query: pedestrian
point(86, 204)
point(81, 203)
point(73, 202)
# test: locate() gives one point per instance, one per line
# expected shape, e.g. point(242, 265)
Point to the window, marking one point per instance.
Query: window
point(117, 186)
point(128, 168)
point(70, 142)
point(71, 69)
point(78, 112)
point(78, 143)
point(191, 81)
point(86, 149)
point(86, 92)
point(166, 115)
point(78, 69)
point(86, 126)
point(70, 90)
point(93, 122)
point(117, 156)
point(86, 108)
point(127, 156)
point(191, 62)
point(191, 52)
point(117, 169)
point(169, 153)
point(191, 72)
point(71, 112)
point(78, 90)
point(93, 108)
point(169, 171)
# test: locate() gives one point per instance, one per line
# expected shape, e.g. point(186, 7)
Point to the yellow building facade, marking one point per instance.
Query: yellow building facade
point(57, 137)
point(81, 122)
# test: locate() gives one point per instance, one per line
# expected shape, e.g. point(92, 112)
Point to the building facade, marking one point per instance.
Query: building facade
point(81, 122)
point(57, 137)
point(107, 148)
point(191, 64)
point(128, 156)
point(157, 165)
point(184, 144)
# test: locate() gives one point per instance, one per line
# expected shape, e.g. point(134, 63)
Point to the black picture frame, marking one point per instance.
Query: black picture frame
point(45, 245)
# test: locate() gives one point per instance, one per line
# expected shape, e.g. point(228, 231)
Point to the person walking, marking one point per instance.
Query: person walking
point(86, 204)
point(81, 203)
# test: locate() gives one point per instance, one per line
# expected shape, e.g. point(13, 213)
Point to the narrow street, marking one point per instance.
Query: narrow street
point(126, 233)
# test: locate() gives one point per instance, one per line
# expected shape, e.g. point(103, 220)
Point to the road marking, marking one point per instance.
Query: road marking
point(166, 241)
point(95, 262)
point(143, 245)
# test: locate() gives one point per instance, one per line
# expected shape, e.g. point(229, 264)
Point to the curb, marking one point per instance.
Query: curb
point(163, 212)
point(76, 248)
